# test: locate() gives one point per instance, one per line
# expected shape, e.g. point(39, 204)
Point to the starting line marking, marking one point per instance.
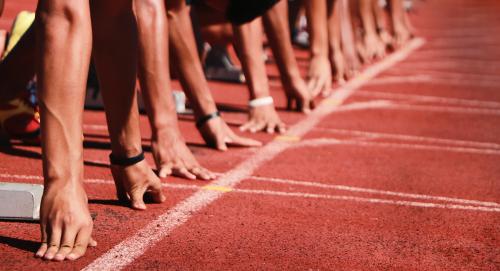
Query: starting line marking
point(136, 245)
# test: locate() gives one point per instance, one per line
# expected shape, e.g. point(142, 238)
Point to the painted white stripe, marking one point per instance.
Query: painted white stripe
point(431, 140)
point(373, 200)
point(376, 191)
point(431, 99)
point(495, 207)
point(442, 109)
point(318, 142)
point(434, 80)
point(133, 247)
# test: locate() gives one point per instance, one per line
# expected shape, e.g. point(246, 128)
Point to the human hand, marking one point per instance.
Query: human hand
point(172, 156)
point(297, 93)
point(135, 182)
point(319, 76)
point(263, 118)
point(65, 223)
point(218, 135)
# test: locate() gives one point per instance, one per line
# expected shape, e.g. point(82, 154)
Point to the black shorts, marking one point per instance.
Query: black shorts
point(243, 11)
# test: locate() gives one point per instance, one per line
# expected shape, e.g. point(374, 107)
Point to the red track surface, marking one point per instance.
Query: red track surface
point(423, 137)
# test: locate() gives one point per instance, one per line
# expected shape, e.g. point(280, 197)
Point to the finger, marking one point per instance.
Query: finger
point(82, 241)
point(155, 192)
point(92, 242)
point(54, 242)
point(314, 87)
point(281, 128)
point(246, 126)
point(305, 106)
point(43, 246)
point(67, 243)
point(202, 173)
point(258, 127)
point(271, 128)
point(183, 173)
point(165, 170)
point(289, 103)
point(121, 193)
point(137, 198)
point(238, 141)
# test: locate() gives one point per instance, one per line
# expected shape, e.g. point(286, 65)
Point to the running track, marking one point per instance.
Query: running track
point(398, 170)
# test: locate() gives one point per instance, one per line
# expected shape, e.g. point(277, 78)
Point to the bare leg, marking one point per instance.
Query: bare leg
point(116, 62)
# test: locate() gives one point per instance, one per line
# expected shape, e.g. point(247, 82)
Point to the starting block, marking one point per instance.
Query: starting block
point(20, 201)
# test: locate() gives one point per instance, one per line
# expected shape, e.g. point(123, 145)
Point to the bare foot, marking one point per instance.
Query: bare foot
point(172, 156)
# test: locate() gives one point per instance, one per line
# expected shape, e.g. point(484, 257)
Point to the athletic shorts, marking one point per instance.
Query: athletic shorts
point(243, 11)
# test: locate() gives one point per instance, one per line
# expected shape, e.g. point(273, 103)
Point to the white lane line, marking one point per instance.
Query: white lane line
point(469, 205)
point(431, 140)
point(426, 98)
point(133, 247)
point(319, 142)
point(376, 191)
point(443, 109)
point(434, 80)
point(372, 200)
point(390, 105)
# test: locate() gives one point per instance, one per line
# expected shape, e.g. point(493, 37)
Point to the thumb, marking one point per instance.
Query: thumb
point(136, 199)
point(220, 143)
point(155, 192)
point(164, 171)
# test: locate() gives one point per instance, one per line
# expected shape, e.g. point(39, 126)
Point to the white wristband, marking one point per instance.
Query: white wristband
point(261, 101)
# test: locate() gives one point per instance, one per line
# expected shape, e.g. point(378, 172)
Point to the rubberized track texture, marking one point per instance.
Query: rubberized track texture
point(398, 170)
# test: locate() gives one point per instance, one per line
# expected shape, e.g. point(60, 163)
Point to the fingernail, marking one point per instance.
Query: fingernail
point(71, 257)
point(59, 257)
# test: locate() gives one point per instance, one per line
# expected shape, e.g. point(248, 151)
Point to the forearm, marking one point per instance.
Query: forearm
point(316, 12)
point(115, 59)
point(334, 26)
point(248, 43)
point(62, 64)
point(367, 17)
point(184, 50)
point(278, 33)
point(153, 64)
point(346, 27)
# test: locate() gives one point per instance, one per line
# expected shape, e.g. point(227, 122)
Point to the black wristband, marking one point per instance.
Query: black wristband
point(201, 121)
point(127, 161)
